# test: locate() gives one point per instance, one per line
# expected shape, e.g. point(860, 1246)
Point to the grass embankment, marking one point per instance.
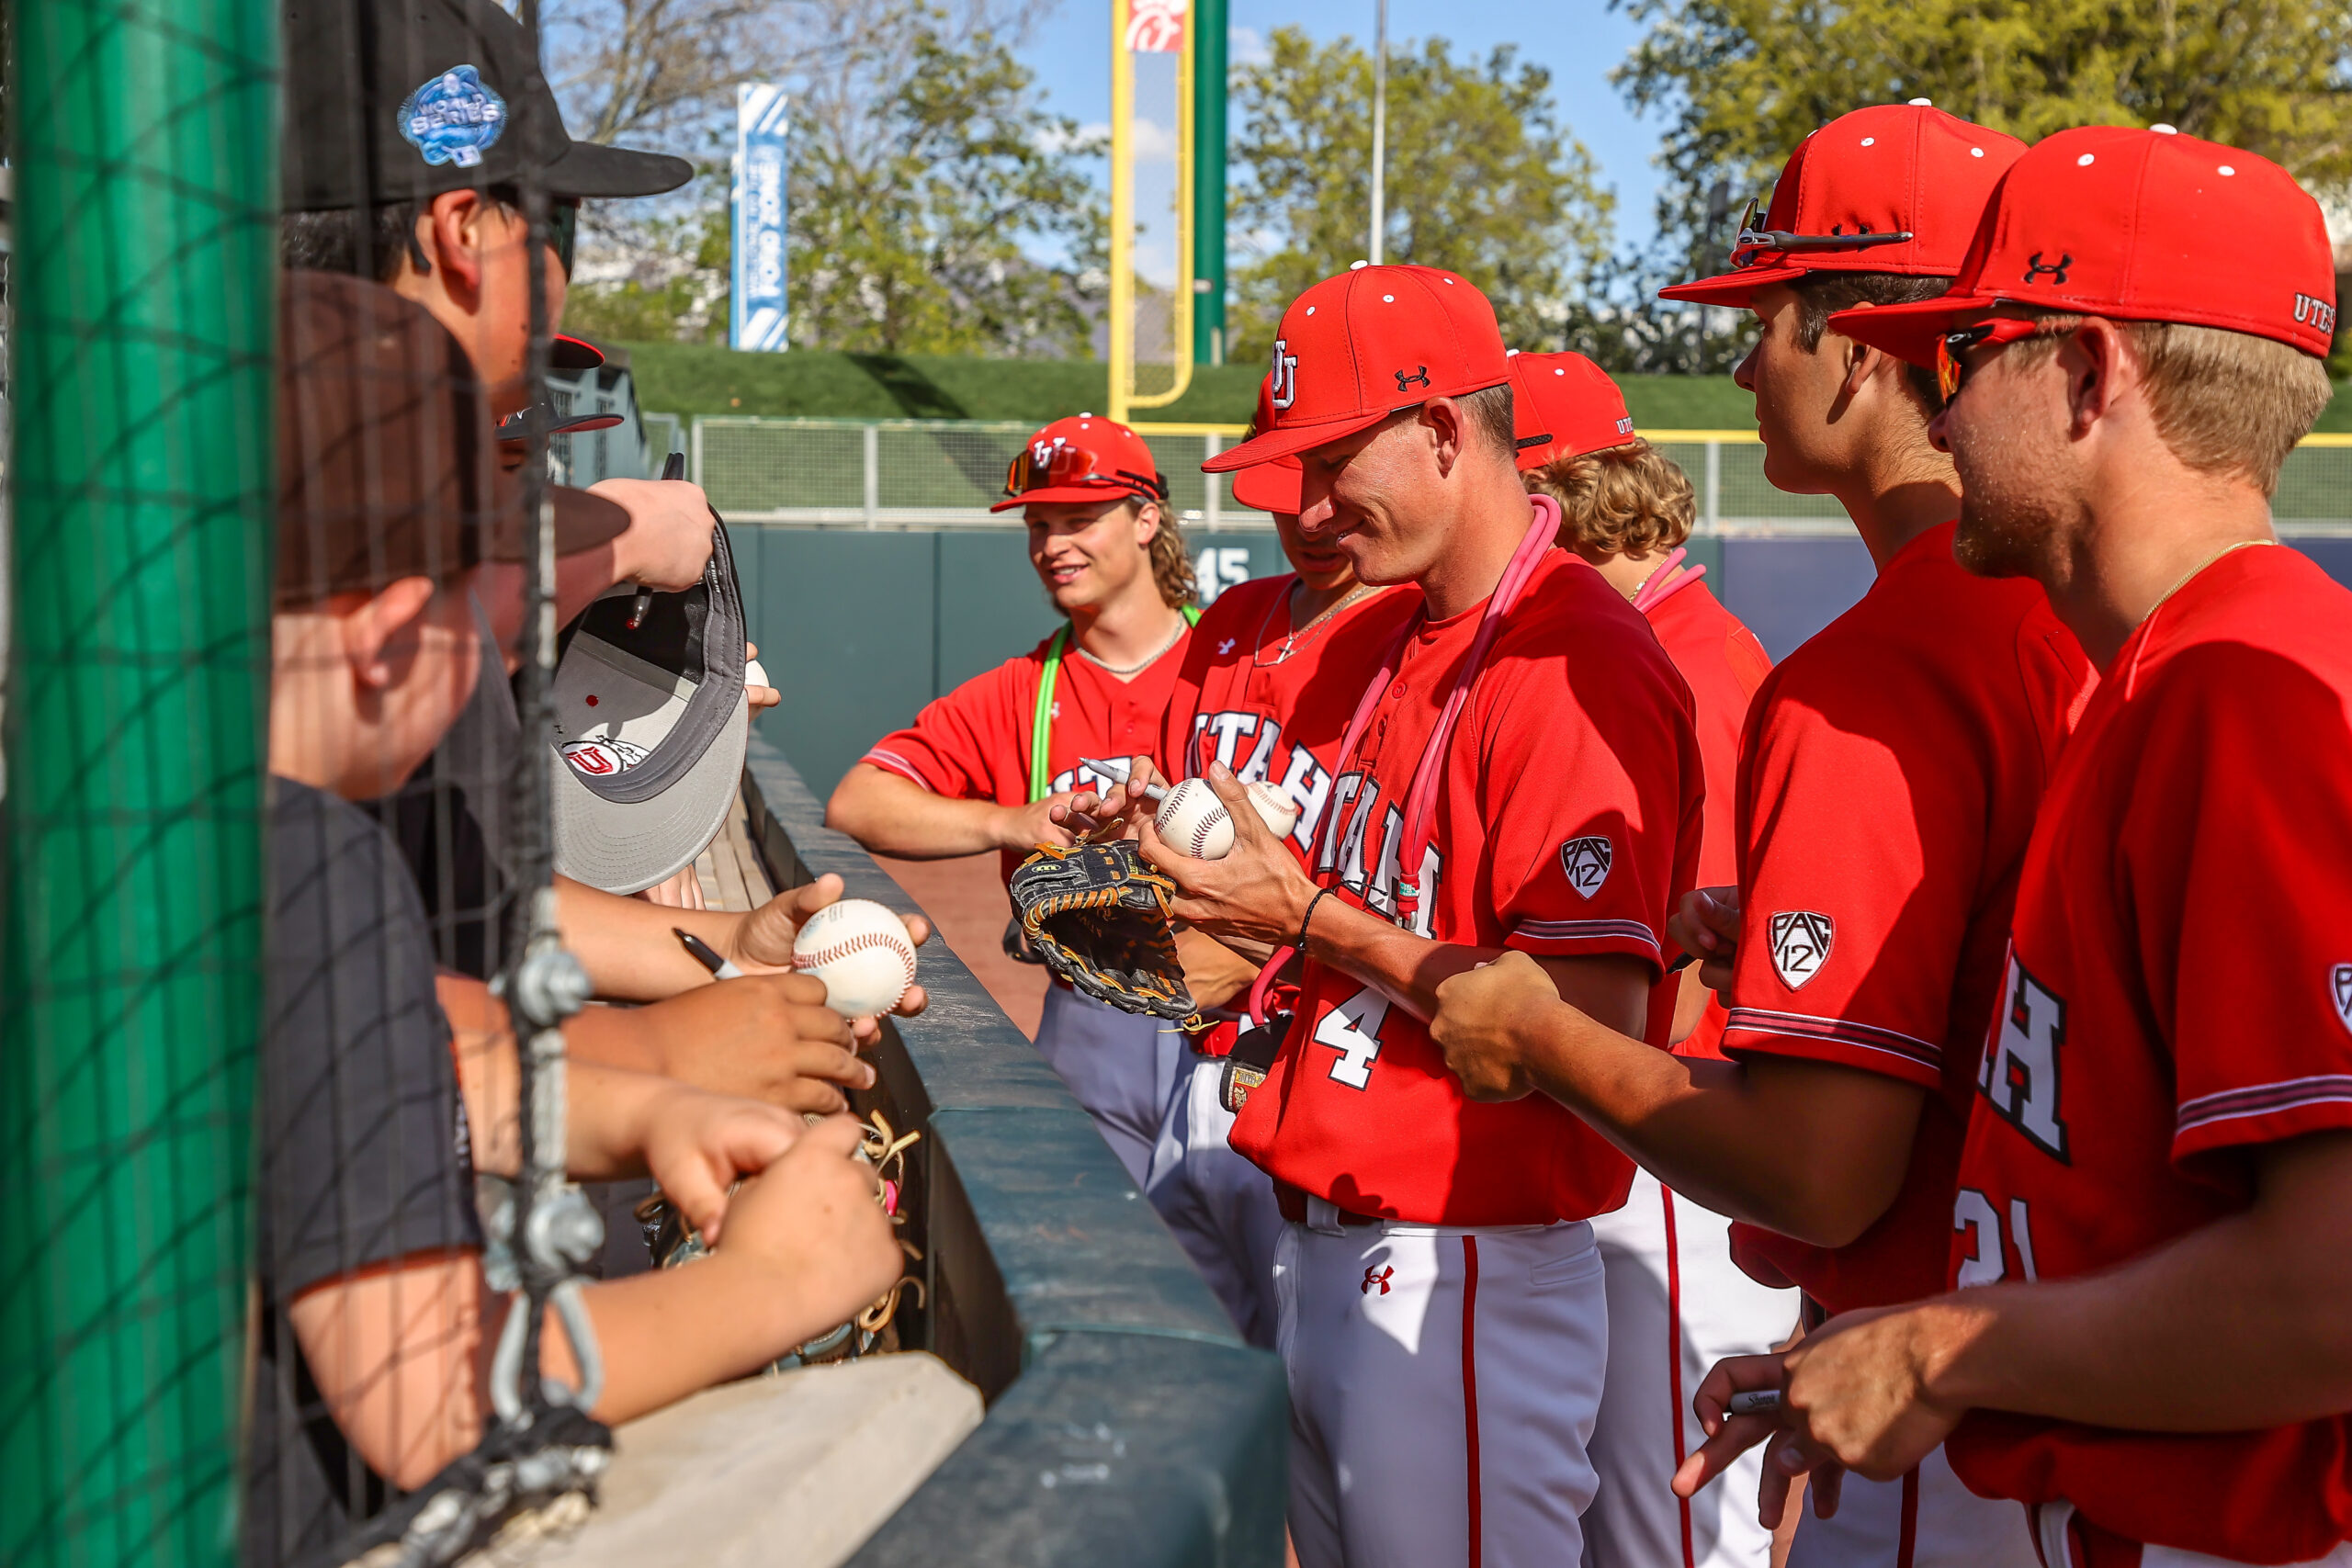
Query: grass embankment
point(692, 378)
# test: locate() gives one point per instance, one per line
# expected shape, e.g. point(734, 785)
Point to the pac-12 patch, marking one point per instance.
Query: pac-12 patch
point(602, 758)
point(1800, 945)
point(1586, 862)
point(2341, 983)
point(453, 118)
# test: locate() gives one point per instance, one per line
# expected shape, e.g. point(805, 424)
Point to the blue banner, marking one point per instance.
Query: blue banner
point(756, 313)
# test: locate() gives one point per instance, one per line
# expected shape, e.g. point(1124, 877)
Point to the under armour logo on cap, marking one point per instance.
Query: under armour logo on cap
point(1420, 376)
point(2055, 272)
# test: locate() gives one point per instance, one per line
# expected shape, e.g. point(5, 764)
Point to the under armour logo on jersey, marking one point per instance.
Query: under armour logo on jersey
point(1420, 376)
point(2342, 981)
point(1586, 862)
point(1378, 1278)
point(2056, 272)
point(1800, 945)
point(1225, 647)
point(1284, 389)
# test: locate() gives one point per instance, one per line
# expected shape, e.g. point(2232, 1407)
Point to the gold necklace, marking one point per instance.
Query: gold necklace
point(2191, 574)
point(1361, 591)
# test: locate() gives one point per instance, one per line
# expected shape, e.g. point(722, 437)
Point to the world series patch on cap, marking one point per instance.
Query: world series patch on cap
point(1895, 188)
point(2139, 226)
point(1372, 341)
point(650, 731)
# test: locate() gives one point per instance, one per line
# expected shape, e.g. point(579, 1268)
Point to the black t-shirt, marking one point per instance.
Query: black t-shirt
point(364, 1152)
point(450, 820)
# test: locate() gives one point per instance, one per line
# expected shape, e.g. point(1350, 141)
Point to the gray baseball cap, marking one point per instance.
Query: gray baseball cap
point(649, 730)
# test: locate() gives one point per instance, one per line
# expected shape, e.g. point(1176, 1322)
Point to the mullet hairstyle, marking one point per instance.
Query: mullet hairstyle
point(2224, 402)
point(1821, 295)
point(1630, 500)
point(1171, 564)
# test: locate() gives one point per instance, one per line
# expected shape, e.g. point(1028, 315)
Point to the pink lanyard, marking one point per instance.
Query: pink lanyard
point(1656, 590)
point(1420, 802)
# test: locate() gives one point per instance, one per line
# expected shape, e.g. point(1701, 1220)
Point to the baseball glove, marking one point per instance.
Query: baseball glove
point(1098, 915)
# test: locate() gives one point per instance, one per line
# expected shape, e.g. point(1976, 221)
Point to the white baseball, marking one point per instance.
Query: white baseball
point(861, 951)
point(1193, 820)
point(755, 673)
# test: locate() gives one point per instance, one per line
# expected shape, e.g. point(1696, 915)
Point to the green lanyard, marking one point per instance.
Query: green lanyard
point(1041, 723)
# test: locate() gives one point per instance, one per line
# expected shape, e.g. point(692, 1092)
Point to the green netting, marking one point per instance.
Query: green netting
point(145, 164)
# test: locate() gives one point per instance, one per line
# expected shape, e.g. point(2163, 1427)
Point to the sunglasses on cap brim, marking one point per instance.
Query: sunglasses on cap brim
point(518, 427)
point(1952, 371)
point(1750, 246)
point(1070, 465)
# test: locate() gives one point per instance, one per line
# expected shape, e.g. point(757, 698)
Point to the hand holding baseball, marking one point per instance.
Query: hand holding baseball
point(862, 951)
point(763, 940)
point(1256, 891)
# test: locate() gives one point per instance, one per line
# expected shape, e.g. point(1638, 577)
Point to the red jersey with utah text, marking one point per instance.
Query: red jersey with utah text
point(1273, 704)
point(1887, 786)
point(973, 743)
point(2179, 999)
point(1566, 823)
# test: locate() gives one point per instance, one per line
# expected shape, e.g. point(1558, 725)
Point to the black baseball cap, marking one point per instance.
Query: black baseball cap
point(396, 100)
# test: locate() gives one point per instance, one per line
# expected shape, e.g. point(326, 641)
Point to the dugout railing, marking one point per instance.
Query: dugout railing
point(1127, 1422)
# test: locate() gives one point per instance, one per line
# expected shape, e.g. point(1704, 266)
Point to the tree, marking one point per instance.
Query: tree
point(1745, 80)
point(1481, 178)
point(924, 186)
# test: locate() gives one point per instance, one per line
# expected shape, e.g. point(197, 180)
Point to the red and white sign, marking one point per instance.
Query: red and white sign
point(1156, 27)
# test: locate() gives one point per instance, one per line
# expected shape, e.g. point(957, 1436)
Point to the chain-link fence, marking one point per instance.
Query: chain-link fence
point(935, 473)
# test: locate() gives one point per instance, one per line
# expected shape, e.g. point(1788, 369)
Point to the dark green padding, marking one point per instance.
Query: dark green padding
point(1053, 1286)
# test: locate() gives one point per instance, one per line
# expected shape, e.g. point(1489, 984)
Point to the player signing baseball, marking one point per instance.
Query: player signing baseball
point(1888, 781)
point(1519, 772)
point(1270, 679)
point(1678, 1303)
point(2149, 1347)
point(983, 767)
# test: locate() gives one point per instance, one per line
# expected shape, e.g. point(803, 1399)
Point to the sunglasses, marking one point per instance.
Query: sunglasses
point(1065, 465)
point(1751, 245)
point(1951, 371)
point(563, 231)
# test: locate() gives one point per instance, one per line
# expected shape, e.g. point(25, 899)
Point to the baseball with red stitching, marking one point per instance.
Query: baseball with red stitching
point(1192, 820)
point(861, 951)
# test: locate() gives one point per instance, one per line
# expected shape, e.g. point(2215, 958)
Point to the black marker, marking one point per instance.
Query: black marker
point(1755, 1401)
point(703, 953)
point(672, 468)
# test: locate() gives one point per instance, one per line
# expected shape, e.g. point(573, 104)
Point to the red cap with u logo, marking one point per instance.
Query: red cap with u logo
point(1358, 347)
point(1895, 188)
point(1562, 405)
point(1081, 458)
point(2139, 226)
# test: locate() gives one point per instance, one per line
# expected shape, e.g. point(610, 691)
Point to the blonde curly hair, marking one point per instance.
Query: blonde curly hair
point(1171, 563)
point(1632, 500)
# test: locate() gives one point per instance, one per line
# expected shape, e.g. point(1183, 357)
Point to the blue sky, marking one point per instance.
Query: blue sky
point(1580, 40)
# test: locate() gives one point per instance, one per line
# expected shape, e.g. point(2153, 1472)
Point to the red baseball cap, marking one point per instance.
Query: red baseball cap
point(1358, 347)
point(2140, 226)
point(1895, 188)
point(1274, 485)
point(1562, 405)
point(1084, 458)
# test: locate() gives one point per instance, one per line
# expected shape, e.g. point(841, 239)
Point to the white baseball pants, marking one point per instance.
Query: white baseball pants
point(1220, 1207)
point(2048, 1532)
point(1677, 1306)
point(1442, 1386)
point(1927, 1520)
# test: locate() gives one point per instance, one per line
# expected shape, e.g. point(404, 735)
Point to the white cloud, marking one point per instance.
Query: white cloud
point(1246, 46)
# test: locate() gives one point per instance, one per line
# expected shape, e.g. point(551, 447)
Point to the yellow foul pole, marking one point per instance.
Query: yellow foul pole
point(1122, 322)
point(1180, 303)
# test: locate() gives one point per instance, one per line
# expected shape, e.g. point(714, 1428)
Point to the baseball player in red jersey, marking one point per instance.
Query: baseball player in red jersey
point(983, 767)
point(2157, 1183)
point(1888, 780)
point(1678, 1303)
point(1518, 772)
point(1272, 675)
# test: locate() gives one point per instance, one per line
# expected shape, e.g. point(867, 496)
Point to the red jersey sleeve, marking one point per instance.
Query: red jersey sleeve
point(961, 744)
point(2239, 861)
point(1594, 795)
point(1863, 828)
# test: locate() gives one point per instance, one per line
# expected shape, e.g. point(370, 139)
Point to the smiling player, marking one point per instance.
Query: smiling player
point(983, 767)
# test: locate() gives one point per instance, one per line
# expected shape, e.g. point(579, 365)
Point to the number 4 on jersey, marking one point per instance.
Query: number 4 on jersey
point(1352, 1029)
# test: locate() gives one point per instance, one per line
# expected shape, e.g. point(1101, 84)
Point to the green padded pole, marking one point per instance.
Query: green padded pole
point(1208, 180)
point(145, 159)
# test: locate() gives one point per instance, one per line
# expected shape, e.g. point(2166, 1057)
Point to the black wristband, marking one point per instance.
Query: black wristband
point(1308, 919)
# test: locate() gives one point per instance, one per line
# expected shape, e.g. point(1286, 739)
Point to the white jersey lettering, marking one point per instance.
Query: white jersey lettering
point(2021, 1070)
point(1352, 1029)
